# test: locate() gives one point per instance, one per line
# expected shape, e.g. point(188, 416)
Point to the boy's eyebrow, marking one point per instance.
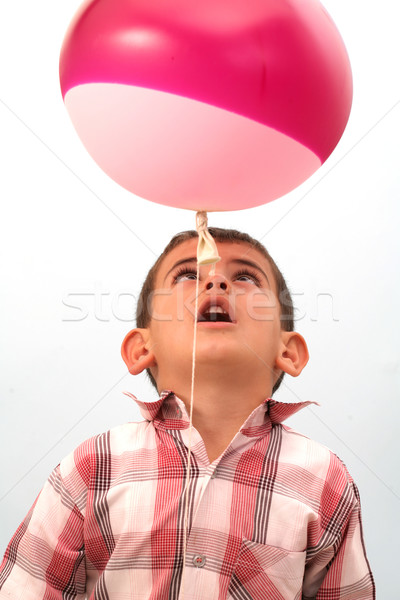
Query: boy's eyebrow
point(240, 261)
point(181, 262)
point(250, 263)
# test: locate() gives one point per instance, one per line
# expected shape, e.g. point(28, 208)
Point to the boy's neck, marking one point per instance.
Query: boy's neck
point(221, 406)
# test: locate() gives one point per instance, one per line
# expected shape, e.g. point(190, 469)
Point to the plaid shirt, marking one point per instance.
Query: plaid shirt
point(276, 517)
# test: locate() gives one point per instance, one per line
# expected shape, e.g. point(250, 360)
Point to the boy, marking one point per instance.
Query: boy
point(271, 514)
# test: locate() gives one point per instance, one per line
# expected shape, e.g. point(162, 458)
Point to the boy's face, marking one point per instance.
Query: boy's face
point(238, 312)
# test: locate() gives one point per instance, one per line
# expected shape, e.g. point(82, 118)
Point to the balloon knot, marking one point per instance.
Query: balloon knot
point(207, 252)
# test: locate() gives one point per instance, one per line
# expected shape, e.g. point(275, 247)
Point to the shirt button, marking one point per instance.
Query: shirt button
point(214, 474)
point(199, 560)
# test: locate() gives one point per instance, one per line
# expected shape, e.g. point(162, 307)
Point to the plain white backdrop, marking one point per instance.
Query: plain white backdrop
point(75, 248)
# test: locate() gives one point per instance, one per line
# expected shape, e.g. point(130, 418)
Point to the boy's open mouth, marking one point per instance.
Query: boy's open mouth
point(215, 310)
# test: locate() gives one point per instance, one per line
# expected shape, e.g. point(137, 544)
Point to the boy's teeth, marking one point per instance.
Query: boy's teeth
point(216, 309)
point(215, 313)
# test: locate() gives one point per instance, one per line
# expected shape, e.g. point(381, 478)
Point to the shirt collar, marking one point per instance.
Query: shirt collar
point(169, 412)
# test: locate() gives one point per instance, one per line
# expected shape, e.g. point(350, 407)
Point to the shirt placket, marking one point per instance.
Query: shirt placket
point(198, 581)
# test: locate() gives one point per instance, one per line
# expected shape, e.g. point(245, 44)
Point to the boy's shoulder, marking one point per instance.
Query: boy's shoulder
point(297, 449)
point(313, 457)
point(108, 447)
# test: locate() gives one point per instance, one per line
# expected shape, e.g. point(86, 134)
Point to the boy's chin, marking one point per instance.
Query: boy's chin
point(218, 352)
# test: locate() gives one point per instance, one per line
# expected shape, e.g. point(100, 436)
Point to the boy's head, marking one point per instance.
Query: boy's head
point(247, 279)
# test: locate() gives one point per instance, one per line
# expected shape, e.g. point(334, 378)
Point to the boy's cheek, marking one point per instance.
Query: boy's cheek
point(171, 305)
point(157, 306)
point(262, 305)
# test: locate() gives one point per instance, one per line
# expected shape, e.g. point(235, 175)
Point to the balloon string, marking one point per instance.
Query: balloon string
point(185, 526)
point(207, 253)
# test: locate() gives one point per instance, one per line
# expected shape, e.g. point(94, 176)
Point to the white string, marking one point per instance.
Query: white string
point(207, 253)
point(186, 513)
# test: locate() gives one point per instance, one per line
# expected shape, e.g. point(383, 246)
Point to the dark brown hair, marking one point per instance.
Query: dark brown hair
point(143, 316)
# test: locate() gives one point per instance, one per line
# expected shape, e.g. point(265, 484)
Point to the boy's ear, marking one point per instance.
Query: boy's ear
point(293, 355)
point(136, 351)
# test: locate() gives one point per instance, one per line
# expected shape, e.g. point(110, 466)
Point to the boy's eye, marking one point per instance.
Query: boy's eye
point(185, 274)
point(248, 277)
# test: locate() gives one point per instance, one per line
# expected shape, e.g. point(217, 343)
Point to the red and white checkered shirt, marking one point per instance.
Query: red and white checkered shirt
point(275, 517)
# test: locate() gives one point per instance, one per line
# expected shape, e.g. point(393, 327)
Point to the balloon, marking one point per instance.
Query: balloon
point(206, 104)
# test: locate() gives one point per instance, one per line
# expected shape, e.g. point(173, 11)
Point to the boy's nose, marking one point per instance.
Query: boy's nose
point(217, 282)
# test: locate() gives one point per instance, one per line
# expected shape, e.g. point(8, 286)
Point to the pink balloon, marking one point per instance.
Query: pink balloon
point(206, 104)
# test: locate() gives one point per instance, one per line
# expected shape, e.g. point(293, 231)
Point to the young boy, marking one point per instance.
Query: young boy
point(271, 514)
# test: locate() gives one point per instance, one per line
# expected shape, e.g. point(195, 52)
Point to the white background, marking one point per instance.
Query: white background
point(66, 229)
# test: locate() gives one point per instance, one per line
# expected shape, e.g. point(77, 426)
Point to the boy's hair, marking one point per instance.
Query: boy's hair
point(143, 315)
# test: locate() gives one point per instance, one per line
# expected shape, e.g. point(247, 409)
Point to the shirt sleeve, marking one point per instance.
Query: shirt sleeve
point(338, 567)
point(45, 558)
